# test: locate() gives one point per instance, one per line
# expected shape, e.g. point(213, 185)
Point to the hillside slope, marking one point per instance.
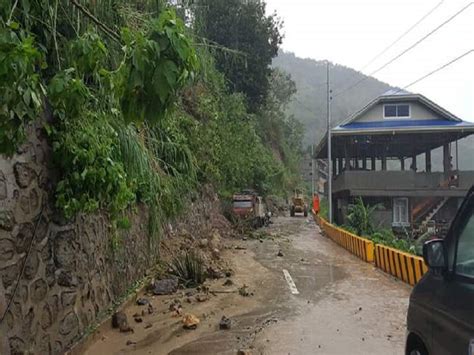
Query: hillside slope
point(309, 104)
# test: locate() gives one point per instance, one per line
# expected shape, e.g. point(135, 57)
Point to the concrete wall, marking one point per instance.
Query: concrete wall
point(71, 272)
point(418, 112)
point(397, 180)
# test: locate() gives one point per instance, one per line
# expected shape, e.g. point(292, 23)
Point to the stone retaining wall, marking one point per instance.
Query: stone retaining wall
point(71, 273)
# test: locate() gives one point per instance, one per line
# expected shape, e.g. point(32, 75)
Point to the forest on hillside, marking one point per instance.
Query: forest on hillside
point(308, 105)
point(146, 101)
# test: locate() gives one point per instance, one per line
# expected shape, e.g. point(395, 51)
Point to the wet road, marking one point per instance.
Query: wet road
point(314, 299)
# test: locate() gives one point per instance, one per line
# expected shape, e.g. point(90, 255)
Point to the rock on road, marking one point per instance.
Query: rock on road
point(315, 298)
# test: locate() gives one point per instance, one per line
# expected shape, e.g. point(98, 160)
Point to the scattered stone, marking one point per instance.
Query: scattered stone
point(244, 352)
point(119, 320)
point(142, 301)
point(244, 291)
point(203, 243)
point(225, 323)
point(202, 298)
point(228, 273)
point(190, 321)
point(164, 287)
point(131, 342)
point(279, 253)
point(260, 240)
point(238, 247)
point(148, 325)
point(244, 238)
point(150, 308)
point(190, 293)
point(214, 273)
point(176, 307)
point(189, 300)
point(363, 339)
point(228, 282)
point(138, 319)
point(143, 311)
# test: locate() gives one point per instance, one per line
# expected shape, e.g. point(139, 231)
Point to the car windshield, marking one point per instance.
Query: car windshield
point(242, 204)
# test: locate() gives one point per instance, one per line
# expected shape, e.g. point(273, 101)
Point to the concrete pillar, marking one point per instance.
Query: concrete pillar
point(428, 161)
point(372, 163)
point(413, 162)
point(364, 163)
point(334, 167)
point(384, 162)
point(356, 163)
point(402, 163)
point(446, 159)
point(339, 165)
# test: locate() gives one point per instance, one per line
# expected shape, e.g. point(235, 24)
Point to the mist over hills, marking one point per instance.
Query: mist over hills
point(309, 103)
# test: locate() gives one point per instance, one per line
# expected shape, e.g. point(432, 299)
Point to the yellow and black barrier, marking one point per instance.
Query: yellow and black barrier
point(404, 266)
point(361, 247)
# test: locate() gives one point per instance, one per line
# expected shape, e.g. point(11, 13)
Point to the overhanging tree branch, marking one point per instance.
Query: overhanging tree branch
point(99, 24)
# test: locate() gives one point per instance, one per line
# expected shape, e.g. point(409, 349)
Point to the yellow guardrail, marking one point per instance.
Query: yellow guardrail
point(361, 247)
point(404, 266)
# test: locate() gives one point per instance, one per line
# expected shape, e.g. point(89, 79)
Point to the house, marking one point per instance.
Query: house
point(400, 152)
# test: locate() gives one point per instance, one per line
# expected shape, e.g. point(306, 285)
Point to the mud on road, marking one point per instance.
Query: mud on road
point(308, 296)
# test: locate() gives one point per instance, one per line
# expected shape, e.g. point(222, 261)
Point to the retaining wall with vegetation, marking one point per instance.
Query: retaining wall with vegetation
point(406, 267)
point(70, 271)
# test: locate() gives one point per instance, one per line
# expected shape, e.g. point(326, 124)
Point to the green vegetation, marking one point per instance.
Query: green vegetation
point(360, 219)
point(189, 269)
point(143, 106)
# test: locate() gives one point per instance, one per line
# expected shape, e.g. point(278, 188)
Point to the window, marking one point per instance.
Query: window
point(396, 110)
point(465, 249)
point(400, 212)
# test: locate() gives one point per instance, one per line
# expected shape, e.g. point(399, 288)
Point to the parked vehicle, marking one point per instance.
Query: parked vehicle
point(441, 312)
point(248, 205)
point(298, 204)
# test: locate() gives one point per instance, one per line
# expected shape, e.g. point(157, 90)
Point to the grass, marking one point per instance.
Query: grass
point(189, 268)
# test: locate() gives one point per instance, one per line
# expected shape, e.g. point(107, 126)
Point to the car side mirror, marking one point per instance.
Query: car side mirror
point(434, 255)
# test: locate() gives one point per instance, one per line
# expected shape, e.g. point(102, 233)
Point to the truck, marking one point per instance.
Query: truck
point(249, 206)
point(298, 204)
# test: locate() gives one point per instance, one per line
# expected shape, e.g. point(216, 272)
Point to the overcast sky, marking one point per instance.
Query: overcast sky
point(352, 32)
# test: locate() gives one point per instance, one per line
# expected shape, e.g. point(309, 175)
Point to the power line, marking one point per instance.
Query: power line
point(437, 69)
point(402, 35)
point(406, 50)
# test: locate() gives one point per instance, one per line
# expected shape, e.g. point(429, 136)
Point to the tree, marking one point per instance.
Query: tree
point(242, 26)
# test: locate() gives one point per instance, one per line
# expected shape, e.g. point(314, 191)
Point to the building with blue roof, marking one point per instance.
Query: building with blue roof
point(384, 153)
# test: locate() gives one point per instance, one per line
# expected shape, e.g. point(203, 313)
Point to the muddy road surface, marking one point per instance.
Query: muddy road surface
point(307, 296)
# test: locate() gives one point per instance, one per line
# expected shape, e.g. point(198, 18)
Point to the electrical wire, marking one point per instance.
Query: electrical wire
point(402, 35)
point(437, 69)
point(416, 43)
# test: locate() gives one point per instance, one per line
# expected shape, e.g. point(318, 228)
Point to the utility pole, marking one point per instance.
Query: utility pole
point(329, 98)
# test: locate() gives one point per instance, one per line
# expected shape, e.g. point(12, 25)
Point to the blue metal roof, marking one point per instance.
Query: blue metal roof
point(405, 123)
